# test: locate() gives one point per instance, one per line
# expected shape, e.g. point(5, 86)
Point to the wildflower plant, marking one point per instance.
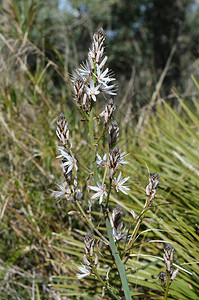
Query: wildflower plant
point(104, 171)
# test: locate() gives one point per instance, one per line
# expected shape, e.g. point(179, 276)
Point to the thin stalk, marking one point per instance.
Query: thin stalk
point(92, 141)
point(90, 223)
point(105, 172)
point(118, 261)
point(167, 287)
point(104, 284)
point(131, 240)
point(109, 192)
point(101, 134)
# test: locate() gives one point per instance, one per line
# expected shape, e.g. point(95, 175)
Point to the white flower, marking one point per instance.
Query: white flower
point(84, 70)
point(122, 158)
point(92, 90)
point(85, 270)
point(118, 234)
point(103, 62)
point(104, 77)
point(68, 160)
point(61, 193)
point(101, 162)
point(119, 184)
point(101, 191)
point(109, 89)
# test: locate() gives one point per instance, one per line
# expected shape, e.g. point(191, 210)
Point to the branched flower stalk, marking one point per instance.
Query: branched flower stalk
point(91, 81)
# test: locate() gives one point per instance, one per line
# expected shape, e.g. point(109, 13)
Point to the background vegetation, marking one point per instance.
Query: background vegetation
point(153, 50)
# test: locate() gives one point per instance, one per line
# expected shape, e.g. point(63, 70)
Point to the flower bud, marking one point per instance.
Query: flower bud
point(162, 276)
point(113, 133)
point(152, 186)
point(62, 129)
point(117, 216)
point(168, 257)
point(89, 242)
point(114, 160)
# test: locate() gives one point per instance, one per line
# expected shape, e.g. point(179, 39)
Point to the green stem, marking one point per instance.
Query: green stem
point(100, 136)
point(92, 141)
point(90, 223)
point(118, 261)
point(109, 192)
point(104, 284)
point(167, 287)
point(131, 240)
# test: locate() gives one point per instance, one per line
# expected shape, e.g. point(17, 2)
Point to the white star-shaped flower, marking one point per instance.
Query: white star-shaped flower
point(69, 160)
point(85, 270)
point(104, 77)
point(100, 191)
point(92, 90)
point(101, 162)
point(119, 184)
point(109, 89)
point(122, 158)
point(84, 70)
point(61, 193)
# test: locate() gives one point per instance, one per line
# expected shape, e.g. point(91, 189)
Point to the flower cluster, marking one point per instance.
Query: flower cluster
point(87, 267)
point(68, 163)
point(117, 224)
point(92, 78)
point(152, 186)
point(170, 271)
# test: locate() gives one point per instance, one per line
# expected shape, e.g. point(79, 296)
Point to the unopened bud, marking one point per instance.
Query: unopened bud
point(96, 259)
point(152, 186)
point(117, 216)
point(109, 110)
point(89, 242)
point(73, 212)
point(168, 257)
point(113, 133)
point(114, 159)
point(162, 276)
point(79, 88)
point(62, 129)
point(174, 273)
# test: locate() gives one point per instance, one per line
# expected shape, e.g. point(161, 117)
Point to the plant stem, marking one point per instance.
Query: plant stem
point(92, 141)
point(101, 134)
point(131, 240)
point(167, 287)
point(90, 223)
point(118, 261)
point(109, 191)
point(104, 284)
